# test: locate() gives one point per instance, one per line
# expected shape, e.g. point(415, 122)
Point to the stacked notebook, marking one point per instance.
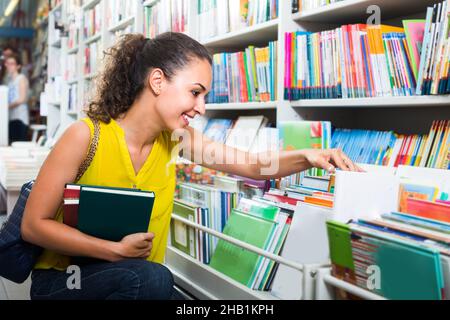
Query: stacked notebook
point(107, 213)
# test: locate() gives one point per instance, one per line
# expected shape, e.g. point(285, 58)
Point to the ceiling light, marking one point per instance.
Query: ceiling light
point(11, 6)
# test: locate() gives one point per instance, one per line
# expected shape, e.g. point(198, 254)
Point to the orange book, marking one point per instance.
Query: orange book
point(428, 209)
point(321, 201)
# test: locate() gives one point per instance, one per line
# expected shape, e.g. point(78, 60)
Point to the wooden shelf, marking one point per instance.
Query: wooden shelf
point(205, 282)
point(263, 32)
point(405, 102)
point(92, 39)
point(242, 106)
point(348, 11)
point(122, 25)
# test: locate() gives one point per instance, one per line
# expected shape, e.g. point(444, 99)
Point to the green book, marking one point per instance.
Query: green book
point(182, 236)
point(339, 238)
point(236, 262)
point(112, 214)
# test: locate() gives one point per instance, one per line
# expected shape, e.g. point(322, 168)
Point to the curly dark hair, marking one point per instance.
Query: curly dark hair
point(128, 63)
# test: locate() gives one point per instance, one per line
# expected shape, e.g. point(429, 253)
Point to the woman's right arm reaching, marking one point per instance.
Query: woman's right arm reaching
point(39, 226)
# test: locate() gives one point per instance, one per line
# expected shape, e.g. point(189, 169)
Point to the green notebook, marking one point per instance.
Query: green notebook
point(112, 214)
point(339, 238)
point(234, 261)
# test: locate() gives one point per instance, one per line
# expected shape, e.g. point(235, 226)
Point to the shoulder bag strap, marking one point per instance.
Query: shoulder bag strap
point(92, 149)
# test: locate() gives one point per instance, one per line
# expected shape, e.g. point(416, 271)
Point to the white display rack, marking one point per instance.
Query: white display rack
point(326, 284)
point(353, 10)
point(408, 102)
point(242, 106)
point(263, 32)
point(322, 18)
point(205, 282)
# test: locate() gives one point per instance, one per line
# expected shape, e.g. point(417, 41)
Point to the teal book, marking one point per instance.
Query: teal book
point(236, 262)
point(113, 214)
point(408, 271)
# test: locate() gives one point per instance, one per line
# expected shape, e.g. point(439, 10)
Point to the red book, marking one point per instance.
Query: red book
point(70, 216)
point(282, 199)
point(72, 191)
point(71, 203)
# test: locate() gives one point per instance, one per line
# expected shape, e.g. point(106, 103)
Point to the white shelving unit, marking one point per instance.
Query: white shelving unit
point(326, 284)
point(404, 112)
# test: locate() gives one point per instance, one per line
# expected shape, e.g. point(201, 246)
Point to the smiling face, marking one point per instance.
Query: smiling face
point(183, 97)
point(12, 66)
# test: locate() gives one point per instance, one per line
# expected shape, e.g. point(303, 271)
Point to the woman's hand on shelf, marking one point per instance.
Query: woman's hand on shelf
point(330, 160)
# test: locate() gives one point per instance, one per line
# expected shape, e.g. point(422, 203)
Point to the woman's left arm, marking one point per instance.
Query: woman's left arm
point(23, 93)
point(269, 165)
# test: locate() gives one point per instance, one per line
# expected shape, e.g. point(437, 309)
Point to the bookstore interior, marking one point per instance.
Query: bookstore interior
point(365, 79)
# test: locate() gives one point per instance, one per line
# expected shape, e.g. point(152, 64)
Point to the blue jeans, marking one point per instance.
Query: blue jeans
point(131, 279)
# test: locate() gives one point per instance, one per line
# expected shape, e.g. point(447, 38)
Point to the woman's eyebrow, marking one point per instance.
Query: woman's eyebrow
point(202, 86)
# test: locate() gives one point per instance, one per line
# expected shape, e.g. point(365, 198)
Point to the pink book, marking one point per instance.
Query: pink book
point(414, 31)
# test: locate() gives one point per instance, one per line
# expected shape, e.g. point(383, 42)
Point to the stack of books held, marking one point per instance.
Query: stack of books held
point(399, 255)
point(248, 76)
point(107, 213)
point(358, 61)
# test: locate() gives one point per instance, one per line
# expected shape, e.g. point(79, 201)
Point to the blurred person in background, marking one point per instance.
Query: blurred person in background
point(18, 93)
point(7, 52)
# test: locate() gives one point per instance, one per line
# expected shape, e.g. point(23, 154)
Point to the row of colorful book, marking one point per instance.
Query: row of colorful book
point(164, 16)
point(269, 216)
point(92, 22)
point(431, 150)
point(92, 57)
point(118, 10)
point(248, 76)
point(305, 5)
point(207, 205)
point(232, 15)
point(356, 61)
point(246, 133)
point(399, 255)
point(383, 148)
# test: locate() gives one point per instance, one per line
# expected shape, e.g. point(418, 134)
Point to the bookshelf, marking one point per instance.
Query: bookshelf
point(401, 114)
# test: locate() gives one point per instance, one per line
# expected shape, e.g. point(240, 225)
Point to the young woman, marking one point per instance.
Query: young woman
point(148, 90)
point(19, 118)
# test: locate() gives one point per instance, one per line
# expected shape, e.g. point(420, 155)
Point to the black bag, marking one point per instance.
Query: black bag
point(17, 257)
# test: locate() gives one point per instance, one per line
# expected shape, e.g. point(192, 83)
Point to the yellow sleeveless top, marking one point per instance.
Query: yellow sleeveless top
point(112, 167)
